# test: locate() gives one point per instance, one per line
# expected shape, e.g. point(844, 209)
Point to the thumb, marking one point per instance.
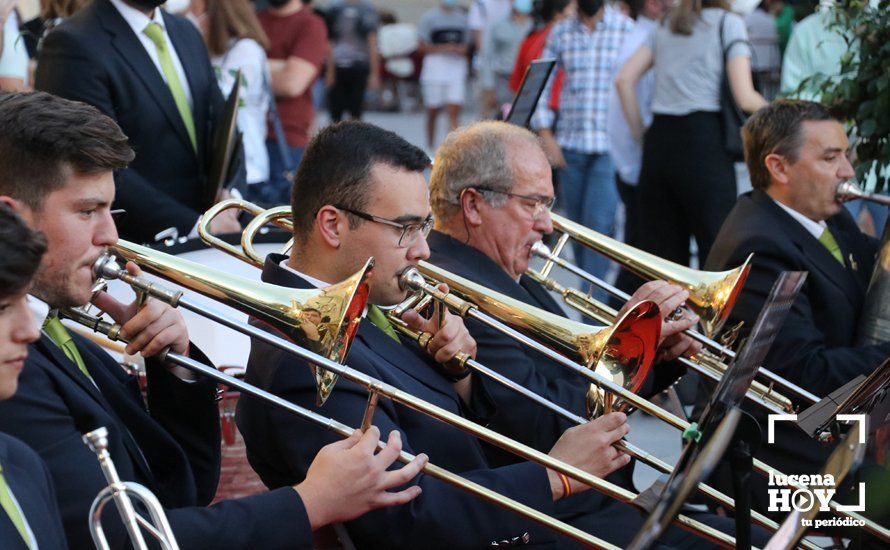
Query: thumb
point(118, 311)
point(414, 320)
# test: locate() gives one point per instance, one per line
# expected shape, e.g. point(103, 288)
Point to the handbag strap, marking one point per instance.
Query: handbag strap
point(725, 47)
point(277, 126)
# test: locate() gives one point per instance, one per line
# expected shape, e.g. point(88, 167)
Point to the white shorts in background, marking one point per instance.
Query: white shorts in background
point(437, 94)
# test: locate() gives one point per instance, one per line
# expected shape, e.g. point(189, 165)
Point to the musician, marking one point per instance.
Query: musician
point(150, 71)
point(360, 192)
point(56, 163)
point(491, 194)
point(29, 515)
point(796, 152)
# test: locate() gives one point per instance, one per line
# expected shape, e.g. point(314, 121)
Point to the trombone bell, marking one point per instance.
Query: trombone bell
point(323, 320)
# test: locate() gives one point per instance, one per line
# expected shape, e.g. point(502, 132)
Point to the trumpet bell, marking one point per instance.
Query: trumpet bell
point(623, 352)
point(712, 294)
point(323, 320)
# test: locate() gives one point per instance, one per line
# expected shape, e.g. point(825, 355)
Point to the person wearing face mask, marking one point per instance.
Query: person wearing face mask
point(57, 158)
point(586, 46)
point(499, 48)
point(150, 71)
point(29, 514)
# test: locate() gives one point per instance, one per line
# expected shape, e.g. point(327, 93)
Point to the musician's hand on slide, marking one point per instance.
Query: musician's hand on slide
point(669, 298)
point(590, 448)
point(347, 479)
point(150, 326)
point(449, 337)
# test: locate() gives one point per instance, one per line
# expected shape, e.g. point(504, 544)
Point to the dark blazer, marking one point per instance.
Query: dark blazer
point(95, 57)
point(280, 447)
point(815, 347)
point(30, 482)
point(174, 450)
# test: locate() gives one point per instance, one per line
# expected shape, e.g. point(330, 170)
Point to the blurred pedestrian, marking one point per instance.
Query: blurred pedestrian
point(444, 40)
point(353, 62)
point(498, 56)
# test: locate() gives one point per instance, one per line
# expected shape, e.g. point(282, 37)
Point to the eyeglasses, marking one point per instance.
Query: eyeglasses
point(541, 204)
point(410, 231)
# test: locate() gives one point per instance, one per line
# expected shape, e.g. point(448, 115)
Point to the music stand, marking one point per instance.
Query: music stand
point(526, 99)
point(728, 396)
point(844, 459)
point(225, 139)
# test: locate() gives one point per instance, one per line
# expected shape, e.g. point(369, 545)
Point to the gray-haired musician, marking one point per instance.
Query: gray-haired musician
point(491, 193)
point(56, 162)
point(796, 152)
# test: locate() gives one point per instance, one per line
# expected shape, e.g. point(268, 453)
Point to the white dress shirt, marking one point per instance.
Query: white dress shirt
point(138, 21)
point(814, 228)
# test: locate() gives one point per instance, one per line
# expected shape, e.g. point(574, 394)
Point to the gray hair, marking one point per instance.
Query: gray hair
point(475, 156)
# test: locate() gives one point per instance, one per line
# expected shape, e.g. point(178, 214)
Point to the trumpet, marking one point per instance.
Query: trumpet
point(193, 278)
point(624, 252)
point(123, 494)
point(280, 216)
point(849, 190)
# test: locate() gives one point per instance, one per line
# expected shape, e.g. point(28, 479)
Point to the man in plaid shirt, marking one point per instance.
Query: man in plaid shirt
point(586, 46)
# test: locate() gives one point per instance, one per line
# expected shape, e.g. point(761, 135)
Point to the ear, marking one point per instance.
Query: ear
point(19, 208)
point(471, 202)
point(331, 224)
point(777, 167)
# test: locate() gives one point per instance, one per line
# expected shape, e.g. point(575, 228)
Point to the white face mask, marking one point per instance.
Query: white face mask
point(744, 7)
point(177, 6)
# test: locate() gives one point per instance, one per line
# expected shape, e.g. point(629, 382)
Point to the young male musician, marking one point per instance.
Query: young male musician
point(57, 159)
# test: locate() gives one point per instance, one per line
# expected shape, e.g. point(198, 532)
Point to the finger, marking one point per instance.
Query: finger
point(640, 295)
point(150, 312)
point(448, 351)
point(617, 434)
point(611, 421)
point(347, 443)
point(414, 320)
point(694, 349)
point(391, 452)
point(118, 311)
point(394, 499)
point(675, 350)
point(133, 269)
point(368, 443)
point(165, 339)
point(406, 473)
point(139, 339)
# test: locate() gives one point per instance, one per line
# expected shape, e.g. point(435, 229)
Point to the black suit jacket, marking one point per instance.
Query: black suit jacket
point(281, 447)
point(815, 347)
point(30, 482)
point(95, 57)
point(174, 450)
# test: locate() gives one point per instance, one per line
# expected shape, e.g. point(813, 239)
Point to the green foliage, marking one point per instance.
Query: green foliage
point(861, 94)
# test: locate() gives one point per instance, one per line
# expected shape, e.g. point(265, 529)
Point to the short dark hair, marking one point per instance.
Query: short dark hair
point(776, 128)
point(45, 136)
point(21, 249)
point(336, 167)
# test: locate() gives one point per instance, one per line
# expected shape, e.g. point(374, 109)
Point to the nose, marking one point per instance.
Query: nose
point(26, 329)
point(544, 224)
point(419, 250)
point(846, 170)
point(106, 231)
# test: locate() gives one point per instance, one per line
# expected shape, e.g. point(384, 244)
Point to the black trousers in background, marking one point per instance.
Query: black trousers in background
point(627, 281)
point(687, 185)
point(348, 92)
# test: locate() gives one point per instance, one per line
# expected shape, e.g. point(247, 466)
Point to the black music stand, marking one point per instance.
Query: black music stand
point(728, 396)
point(526, 99)
point(226, 138)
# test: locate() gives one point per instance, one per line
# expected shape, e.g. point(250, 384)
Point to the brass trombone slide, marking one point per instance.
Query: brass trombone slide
point(541, 250)
point(488, 306)
point(112, 331)
point(198, 276)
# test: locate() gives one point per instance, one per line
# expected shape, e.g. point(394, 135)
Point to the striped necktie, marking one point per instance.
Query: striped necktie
point(12, 510)
point(156, 34)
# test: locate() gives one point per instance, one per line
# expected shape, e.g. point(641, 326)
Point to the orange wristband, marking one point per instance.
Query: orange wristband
point(566, 486)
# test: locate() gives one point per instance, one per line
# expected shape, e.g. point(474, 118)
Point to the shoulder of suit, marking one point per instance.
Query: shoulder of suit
point(18, 452)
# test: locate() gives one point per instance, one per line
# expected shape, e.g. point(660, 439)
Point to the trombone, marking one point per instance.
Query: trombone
point(200, 279)
point(484, 298)
point(711, 294)
point(849, 190)
point(124, 494)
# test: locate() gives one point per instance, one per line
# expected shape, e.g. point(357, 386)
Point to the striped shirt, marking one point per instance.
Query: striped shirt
point(589, 59)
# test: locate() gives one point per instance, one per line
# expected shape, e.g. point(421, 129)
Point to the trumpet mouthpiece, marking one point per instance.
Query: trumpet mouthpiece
point(411, 279)
point(96, 440)
point(541, 250)
point(106, 267)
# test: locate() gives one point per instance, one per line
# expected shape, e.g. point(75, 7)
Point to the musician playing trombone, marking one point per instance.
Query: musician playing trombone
point(360, 192)
point(29, 514)
point(56, 164)
point(796, 152)
point(491, 194)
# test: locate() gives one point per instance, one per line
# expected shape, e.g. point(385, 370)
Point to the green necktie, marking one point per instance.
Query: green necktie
point(59, 334)
point(156, 34)
point(13, 511)
point(379, 320)
point(827, 240)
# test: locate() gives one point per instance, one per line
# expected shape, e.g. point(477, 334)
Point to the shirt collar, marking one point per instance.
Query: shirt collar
point(39, 309)
point(137, 20)
point(317, 283)
point(813, 227)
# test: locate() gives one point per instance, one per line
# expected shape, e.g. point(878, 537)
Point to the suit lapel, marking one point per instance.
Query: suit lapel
point(813, 250)
point(55, 354)
point(128, 46)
